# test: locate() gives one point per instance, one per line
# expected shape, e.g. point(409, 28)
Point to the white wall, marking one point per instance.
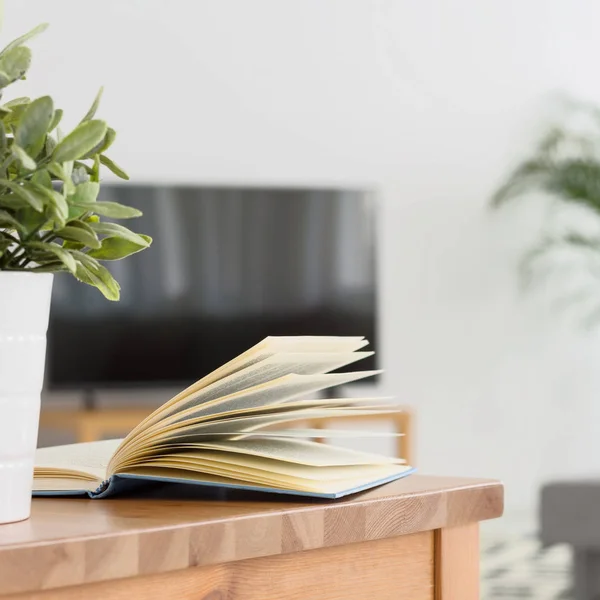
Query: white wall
point(427, 101)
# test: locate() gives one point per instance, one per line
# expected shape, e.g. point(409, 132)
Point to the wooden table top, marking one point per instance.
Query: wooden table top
point(75, 541)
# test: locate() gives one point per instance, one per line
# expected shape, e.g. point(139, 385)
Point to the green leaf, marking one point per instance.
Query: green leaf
point(93, 273)
point(51, 267)
point(114, 248)
point(577, 180)
point(95, 170)
point(56, 118)
point(81, 165)
point(80, 141)
point(17, 102)
point(34, 125)
point(59, 252)
point(12, 119)
point(31, 220)
point(103, 281)
point(73, 245)
point(106, 143)
point(72, 233)
point(15, 62)
point(69, 185)
point(524, 178)
point(3, 140)
point(42, 177)
point(116, 230)
point(85, 194)
point(90, 113)
point(107, 162)
point(8, 236)
point(24, 38)
point(109, 138)
point(68, 167)
point(59, 209)
point(26, 161)
point(4, 79)
point(7, 220)
point(50, 145)
point(57, 170)
point(63, 173)
point(80, 225)
point(12, 201)
point(112, 210)
point(4, 245)
point(24, 193)
point(83, 225)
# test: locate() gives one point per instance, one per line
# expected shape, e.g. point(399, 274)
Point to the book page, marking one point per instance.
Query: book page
point(282, 389)
point(374, 405)
point(257, 468)
point(320, 433)
point(280, 449)
point(326, 485)
point(240, 425)
point(186, 432)
point(213, 414)
point(287, 476)
point(63, 484)
point(88, 459)
point(258, 353)
point(277, 391)
point(236, 428)
point(271, 346)
point(268, 370)
point(242, 463)
point(301, 451)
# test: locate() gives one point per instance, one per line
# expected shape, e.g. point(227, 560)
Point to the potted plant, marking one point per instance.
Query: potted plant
point(50, 222)
point(564, 171)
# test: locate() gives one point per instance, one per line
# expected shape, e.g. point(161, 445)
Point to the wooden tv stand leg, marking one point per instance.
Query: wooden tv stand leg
point(457, 563)
point(86, 431)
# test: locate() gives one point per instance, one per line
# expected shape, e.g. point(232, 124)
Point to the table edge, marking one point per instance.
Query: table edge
point(142, 551)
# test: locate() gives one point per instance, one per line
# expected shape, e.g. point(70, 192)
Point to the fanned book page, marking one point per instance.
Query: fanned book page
point(246, 425)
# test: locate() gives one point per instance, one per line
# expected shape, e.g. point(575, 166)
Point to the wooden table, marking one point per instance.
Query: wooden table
point(412, 539)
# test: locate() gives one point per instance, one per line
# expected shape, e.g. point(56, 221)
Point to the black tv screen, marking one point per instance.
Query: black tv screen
point(227, 268)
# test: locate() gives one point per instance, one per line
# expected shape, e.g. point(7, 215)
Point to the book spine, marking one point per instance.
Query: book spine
point(102, 489)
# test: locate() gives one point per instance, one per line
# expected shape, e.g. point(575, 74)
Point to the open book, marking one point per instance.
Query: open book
point(232, 429)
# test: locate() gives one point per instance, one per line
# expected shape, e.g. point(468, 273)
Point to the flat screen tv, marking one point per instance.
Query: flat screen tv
point(227, 268)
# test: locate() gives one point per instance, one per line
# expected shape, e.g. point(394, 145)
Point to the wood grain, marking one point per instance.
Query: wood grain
point(393, 569)
point(71, 542)
point(457, 563)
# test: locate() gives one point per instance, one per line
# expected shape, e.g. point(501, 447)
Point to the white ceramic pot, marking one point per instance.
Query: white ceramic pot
point(24, 312)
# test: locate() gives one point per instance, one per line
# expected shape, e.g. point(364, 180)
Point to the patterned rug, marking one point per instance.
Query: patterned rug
point(515, 567)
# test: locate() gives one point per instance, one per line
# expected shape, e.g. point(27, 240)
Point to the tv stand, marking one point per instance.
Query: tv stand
point(89, 399)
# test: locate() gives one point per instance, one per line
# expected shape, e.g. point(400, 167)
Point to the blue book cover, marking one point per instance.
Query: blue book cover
point(124, 483)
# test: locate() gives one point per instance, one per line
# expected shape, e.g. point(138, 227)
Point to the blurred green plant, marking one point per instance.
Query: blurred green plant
point(49, 183)
point(565, 167)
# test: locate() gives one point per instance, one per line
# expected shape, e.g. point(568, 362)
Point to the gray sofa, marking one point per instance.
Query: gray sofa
point(570, 514)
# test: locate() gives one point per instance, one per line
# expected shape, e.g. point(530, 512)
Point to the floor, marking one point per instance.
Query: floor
point(514, 565)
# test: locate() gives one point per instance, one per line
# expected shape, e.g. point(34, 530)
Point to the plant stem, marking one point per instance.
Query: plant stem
point(18, 259)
